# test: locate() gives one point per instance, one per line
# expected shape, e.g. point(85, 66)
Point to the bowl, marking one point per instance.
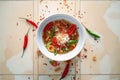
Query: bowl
point(66, 56)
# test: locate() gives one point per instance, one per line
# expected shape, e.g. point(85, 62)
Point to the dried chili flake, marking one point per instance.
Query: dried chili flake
point(27, 15)
point(79, 55)
point(85, 49)
point(41, 1)
point(71, 64)
point(54, 63)
point(38, 52)
point(94, 58)
point(45, 64)
point(17, 23)
point(38, 23)
point(79, 12)
point(46, 6)
point(85, 56)
point(91, 50)
point(57, 69)
point(60, 3)
point(49, 11)
point(79, 16)
point(57, 9)
point(42, 56)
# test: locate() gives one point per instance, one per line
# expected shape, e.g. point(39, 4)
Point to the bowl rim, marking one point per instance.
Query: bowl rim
point(58, 57)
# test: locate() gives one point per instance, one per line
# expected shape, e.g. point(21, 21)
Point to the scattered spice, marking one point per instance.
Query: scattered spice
point(27, 15)
point(72, 64)
point(41, 1)
point(60, 3)
point(85, 49)
point(30, 22)
point(42, 56)
point(46, 6)
point(19, 38)
point(45, 64)
point(57, 69)
point(25, 42)
point(79, 16)
point(78, 55)
point(33, 30)
point(30, 14)
point(79, 12)
point(73, 77)
point(57, 9)
point(65, 72)
point(94, 58)
point(85, 56)
point(17, 23)
point(38, 52)
point(53, 63)
point(91, 50)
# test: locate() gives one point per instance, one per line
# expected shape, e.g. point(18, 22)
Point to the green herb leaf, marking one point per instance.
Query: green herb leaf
point(55, 52)
point(53, 32)
point(72, 41)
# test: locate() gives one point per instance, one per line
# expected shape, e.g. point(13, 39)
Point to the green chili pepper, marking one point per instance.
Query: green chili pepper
point(92, 34)
point(72, 41)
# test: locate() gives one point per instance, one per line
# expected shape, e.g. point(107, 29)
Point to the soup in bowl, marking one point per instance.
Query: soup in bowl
point(60, 37)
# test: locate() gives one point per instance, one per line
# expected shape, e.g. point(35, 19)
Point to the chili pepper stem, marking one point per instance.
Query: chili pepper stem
point(60, 79)
point(22, 18)
point(84, 26)
point(23, 53)
point(28, 31)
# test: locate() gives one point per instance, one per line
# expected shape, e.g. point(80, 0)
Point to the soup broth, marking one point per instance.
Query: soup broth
point(60, 36)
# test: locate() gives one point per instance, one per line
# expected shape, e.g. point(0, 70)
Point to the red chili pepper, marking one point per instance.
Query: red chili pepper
point(30, 22)
point(65, 72)
point(25, 42)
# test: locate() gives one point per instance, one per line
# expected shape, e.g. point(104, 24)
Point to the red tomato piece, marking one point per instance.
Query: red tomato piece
point(54, 63)
point(54, 42)
point(71, 29)
point(44, 36)
point(48, 26)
